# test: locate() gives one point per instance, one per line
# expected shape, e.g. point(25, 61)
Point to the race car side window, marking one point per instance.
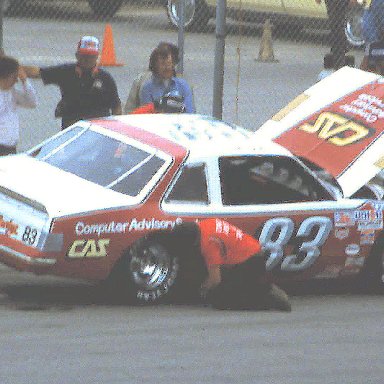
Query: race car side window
point(252, 180)
point(190, 187)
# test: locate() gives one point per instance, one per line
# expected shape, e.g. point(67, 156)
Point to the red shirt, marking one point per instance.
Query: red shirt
point(224, 244)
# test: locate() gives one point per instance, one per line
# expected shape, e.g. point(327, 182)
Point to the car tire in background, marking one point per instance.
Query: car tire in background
point(353, 26)
point(9, 6)
point(105, 8)
point(197, 14)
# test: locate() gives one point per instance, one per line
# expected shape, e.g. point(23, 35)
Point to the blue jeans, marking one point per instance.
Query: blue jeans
point(373, 22)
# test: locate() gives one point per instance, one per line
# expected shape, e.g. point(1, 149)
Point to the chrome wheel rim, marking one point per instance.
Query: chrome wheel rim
point(190, 7)
point(353, 28)
point(151, 268)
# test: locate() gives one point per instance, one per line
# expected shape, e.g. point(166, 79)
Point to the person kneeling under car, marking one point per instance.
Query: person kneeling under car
point(169, 103)
point(236, 267)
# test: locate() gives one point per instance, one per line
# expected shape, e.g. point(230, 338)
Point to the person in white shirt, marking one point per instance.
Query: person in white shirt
point(12, 96)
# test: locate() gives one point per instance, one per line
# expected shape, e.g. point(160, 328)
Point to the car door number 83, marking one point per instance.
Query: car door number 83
point(278, 232)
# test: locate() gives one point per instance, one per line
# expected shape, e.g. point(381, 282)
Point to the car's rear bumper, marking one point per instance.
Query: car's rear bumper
point(25, 258)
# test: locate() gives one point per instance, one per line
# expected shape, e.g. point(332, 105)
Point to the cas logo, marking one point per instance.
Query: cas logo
point(336, 129)
point(7, 228)
point(82, 248)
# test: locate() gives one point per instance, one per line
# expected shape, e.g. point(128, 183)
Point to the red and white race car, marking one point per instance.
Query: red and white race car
point(307, 184)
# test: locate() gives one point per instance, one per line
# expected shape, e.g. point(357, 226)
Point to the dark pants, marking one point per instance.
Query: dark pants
point(243, 287)
point(337, 10)
point(5, 150)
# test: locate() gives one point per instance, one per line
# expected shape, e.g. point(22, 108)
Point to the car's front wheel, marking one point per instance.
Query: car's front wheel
point(372, 277)
point(105, 8)
point(159, 267)
point(197, 14)
point(353, 26)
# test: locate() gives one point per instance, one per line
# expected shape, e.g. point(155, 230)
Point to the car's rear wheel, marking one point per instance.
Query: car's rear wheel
point(197, 14)
point(152, 272)
point(353, 27)
point(105, 8)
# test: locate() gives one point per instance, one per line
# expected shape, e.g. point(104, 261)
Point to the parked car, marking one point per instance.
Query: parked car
point(89, 201)
point(105, 8)
point(298, 13)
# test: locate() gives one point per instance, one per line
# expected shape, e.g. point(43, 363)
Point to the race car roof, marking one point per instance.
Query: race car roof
point(202, 136)
point(337, 124)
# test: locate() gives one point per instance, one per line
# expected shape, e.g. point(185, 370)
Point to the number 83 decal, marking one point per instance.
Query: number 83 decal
point(277, 232)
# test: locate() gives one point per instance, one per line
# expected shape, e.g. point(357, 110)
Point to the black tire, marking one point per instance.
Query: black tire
point(353, 27)
point(105, 8)
point(12, 6)
point(197, 14)
point(157, 269)
point(372, 276)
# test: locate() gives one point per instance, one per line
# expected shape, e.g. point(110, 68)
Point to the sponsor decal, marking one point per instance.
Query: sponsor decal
point(113, 227)
point(329, 272)
point(341, 233)
point(148, 224)
point(100, 228)
point(354, 261)
point(369, 217)
point(352, 249)
point(352, 270)
point(344, 219)
point(336, 129)
point(7, 228)
point(368, 107)
point(82, 248)
point(367, 237)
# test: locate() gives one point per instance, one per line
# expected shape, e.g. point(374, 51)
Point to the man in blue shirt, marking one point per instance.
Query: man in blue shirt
point(164, 80)
point(373, 29)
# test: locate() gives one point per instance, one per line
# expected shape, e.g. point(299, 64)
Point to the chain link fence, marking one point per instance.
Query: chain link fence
point(260, 75)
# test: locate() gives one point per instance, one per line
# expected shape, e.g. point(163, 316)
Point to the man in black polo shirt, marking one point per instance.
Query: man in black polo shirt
point(87, 91)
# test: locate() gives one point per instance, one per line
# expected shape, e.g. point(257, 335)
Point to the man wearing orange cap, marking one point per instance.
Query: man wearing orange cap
point(87, 91)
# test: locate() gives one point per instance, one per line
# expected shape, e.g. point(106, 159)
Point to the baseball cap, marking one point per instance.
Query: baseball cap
point(88, 45)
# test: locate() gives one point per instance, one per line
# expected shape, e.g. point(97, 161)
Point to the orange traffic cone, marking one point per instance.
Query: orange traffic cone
point(108, 58)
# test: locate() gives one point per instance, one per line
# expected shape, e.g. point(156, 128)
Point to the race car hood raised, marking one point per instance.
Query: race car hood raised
point(61, 193)
point(337, 124)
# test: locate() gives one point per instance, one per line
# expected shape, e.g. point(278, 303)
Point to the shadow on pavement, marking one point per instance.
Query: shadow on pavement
point(33, 297)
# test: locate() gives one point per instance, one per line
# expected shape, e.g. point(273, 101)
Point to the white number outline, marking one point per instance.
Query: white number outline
point(286, 227)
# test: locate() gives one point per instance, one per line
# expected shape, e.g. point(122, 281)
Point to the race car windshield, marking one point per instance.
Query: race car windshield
point(103, 160)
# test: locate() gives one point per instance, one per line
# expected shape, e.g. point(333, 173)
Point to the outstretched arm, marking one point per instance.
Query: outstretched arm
point(32, 71)
point(27, 96)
